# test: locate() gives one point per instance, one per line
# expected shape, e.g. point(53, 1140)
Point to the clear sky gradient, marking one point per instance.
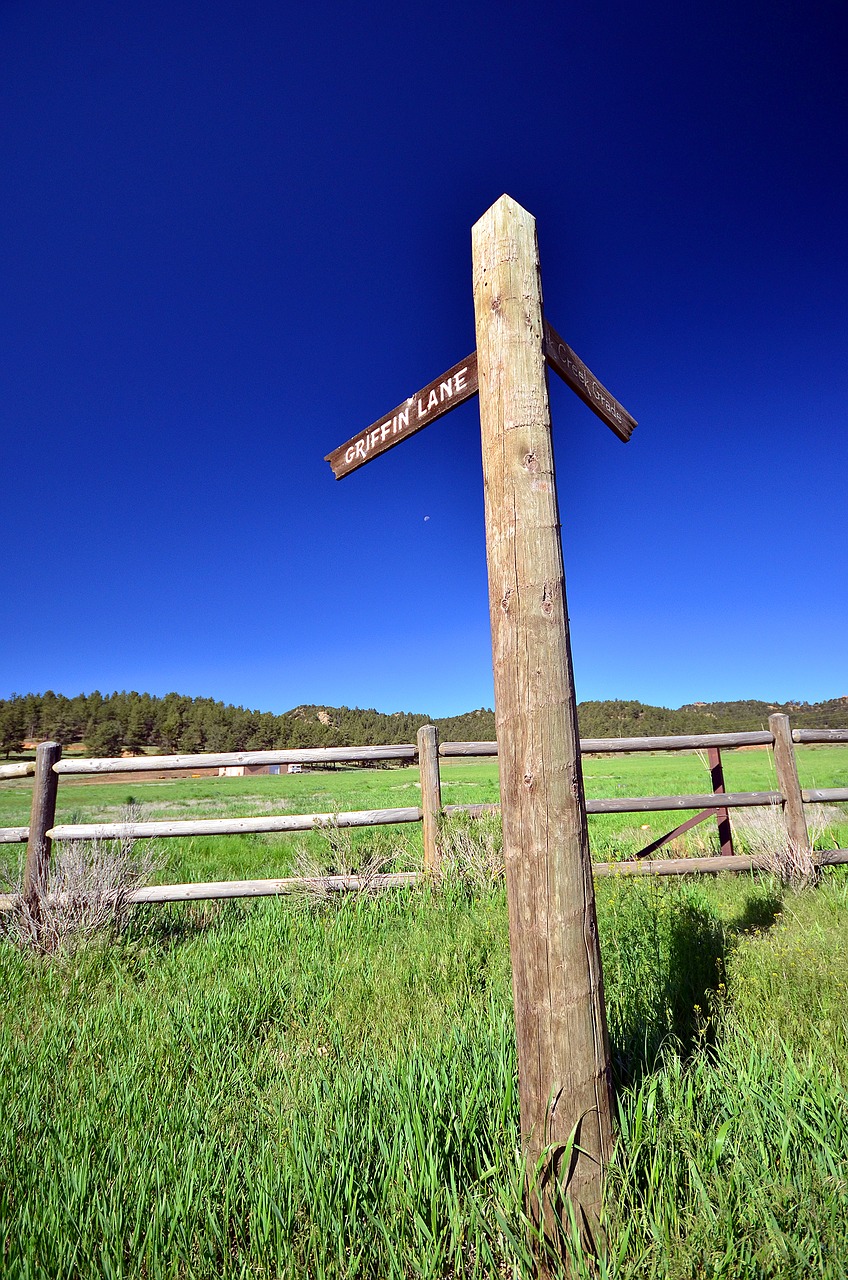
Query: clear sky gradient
point(232, 235)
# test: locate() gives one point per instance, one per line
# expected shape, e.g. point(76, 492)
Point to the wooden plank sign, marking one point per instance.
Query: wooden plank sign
point(580, 378)
point(431, 402)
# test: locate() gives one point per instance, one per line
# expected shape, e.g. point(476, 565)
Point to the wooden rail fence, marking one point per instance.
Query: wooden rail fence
point(48, 768)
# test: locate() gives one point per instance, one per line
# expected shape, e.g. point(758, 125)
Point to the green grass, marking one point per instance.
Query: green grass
point(612, 836)
point(281, 1089)
point(275, 1089)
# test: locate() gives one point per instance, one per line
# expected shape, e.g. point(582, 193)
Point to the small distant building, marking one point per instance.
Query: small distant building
point(249, 770)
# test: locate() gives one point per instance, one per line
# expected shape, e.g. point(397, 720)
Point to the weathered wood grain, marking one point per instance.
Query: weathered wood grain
point(608, 746)
point(431, 793)
point(42, 815)
point(306, 755)
point(14, 835)
point(268, 888)
point(664, 804)
point(564, 1068)
point(580, 378)
point(231, 826)
point(22, 770)
point(428, 404)
point(468, 748)
point(209, 890)
point(706, 866)
point(725, 832)
point(820, 735)
point(786, 768)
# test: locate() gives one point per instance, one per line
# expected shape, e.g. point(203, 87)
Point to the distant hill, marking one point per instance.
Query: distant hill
point(635, 719)
point(136, 721)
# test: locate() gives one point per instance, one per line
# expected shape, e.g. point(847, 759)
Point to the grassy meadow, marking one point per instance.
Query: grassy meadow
point(613, 836)
point(291, 1088)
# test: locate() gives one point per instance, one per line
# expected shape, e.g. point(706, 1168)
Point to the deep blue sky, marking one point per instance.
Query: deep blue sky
point(231, 235)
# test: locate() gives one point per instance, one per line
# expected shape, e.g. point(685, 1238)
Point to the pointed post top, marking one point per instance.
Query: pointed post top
point(505, 202)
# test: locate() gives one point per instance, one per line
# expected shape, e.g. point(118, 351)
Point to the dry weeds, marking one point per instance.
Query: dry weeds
point(85, 893)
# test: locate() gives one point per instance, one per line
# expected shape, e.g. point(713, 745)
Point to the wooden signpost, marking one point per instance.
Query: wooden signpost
point(564, 1066)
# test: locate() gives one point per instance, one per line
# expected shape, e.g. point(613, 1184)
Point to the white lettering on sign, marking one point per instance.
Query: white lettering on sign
point(448, 391)
point(399, 422)
point(570, 367)
point(445, 392)
point(378, 435)
point(578, 370)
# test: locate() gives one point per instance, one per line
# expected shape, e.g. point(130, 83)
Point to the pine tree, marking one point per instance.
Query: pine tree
point(12, 727)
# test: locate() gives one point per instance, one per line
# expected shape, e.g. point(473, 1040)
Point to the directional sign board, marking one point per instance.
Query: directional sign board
point(459, 384)
point(572, 370)
point(434, 400)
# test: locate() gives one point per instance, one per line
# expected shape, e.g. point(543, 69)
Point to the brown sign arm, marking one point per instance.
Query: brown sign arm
point(431, 402)
point(458, 385)
point(583, 382)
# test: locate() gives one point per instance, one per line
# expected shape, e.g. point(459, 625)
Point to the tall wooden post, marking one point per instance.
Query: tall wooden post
point(431, 792)
point(563, 1048)
point(42, 817)
point(786, 768)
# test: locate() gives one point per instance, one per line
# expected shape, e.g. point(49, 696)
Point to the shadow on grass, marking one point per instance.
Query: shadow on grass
point(665, 958)
point(168, 925)
point(759, 912)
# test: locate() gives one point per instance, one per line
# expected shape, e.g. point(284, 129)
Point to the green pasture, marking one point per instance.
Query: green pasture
point(295, 1088)
point(612, 836)
point(287, 1089)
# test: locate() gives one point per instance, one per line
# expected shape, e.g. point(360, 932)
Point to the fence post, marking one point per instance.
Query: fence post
point(42, 817)
point(725, 833)
point(431, 792)
point(786, 767)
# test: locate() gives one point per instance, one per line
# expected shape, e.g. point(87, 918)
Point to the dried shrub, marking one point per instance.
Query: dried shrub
point(471, 850)
point(321, 865)
point(85, 893)
point(763, 831)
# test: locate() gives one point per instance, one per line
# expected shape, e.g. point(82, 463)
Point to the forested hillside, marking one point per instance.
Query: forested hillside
point(137, 722)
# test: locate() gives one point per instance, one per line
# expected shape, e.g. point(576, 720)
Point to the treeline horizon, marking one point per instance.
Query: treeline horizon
point(116, 722)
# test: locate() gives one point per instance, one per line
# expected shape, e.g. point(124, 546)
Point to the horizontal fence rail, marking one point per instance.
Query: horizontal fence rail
point(318, 885)
point(707, 866)
point(14, 835)
point(675, 742)
point(387, 817)
point(232, 826)
point(270, 888)
point(661, 804)
point(22, 770)
point(225, 759)
point(820, 735)
point(823, 795)
point(790, 798)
